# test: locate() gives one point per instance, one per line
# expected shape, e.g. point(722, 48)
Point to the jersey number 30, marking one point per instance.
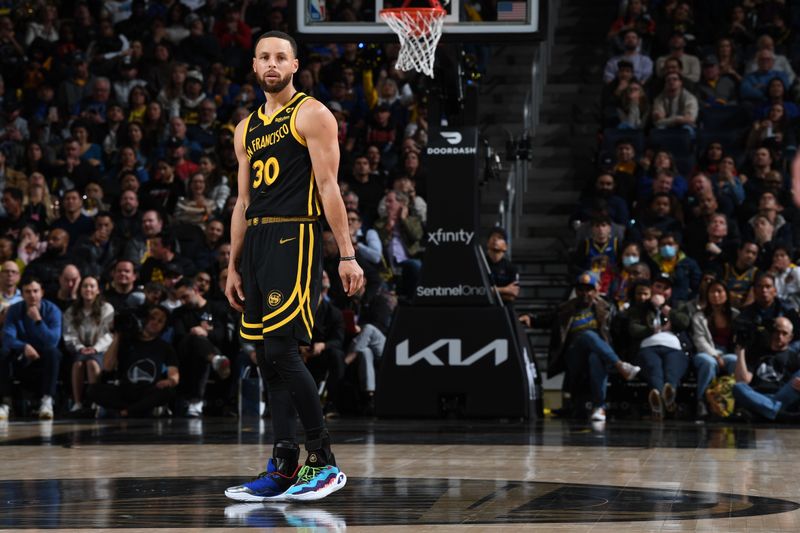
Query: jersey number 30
point(266, 172)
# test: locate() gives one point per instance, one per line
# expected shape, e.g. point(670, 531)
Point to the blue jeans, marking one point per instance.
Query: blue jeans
point(767, 405)
point(662, 365)
point(707, 369)
point(588, 349)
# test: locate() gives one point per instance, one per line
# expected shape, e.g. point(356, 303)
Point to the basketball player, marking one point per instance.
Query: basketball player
point(288, 159)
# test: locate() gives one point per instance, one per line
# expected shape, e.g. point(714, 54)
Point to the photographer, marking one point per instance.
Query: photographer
point(768, 382)
point(146, 366)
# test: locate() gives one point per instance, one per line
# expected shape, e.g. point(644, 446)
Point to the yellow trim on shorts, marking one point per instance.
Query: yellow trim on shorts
point(244, 335)
point(248, 325)
point(297, 287)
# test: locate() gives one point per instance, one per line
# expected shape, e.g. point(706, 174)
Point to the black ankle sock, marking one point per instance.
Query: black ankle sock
point(286, 456)
point(318, 446)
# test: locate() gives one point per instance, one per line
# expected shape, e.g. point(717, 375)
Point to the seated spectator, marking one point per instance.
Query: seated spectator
point(728, 183)
point(654, 327)
point(580, 344)
point(146, 366)
point(503, 274)
point(599, 250)
point(72, 220)
point(122, 292)
point(642, 65)
point(128, 219)
point(369, 253)
point(635, 18)
point(626, 170)
point(204, 252)
point(99, 249)
point(776, 94)
point(90, 152)
point(728, 61)
point(163, 254)
point(658, 215)
point(662, 161)
point(633, 110)
point(650, 237)
point(677, 50)
point(325, 355)
point(769, 209)
point(162, 192)
point(740, 274)
point(9, 293)
point(675, 107)
point(683, 271)
point(774, 130)
point(754, 85)
point(201, 337)
point(403, 183)
point(604, 190)
point(30, 244)
point(196, 207)
point(709, 160)
point(614, 91)
point(713, 337)
point(366, 348)
point(13, 221)
point(768, 381)
point(635, 266)
point(367, 187)
point(30, 344)
point(87, 335)
point(138, 249)
point(786, 274)
point(218, 183)
point(780, 63)
point(401, 234)
point(49, 265)
point(759, 316)
point(715, 89)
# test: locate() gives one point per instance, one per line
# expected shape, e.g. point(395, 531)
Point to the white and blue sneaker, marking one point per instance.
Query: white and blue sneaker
point(270, 485)
point(316, 482)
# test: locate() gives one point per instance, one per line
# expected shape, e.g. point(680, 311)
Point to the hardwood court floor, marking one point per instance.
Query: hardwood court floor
point(144, 475)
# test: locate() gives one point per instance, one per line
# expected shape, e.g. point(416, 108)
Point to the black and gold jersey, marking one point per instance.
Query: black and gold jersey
point(281, 176)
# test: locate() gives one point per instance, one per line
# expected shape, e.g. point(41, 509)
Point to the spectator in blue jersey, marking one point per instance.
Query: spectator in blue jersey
point(30, 344)
point(740, 274)
point(682, 269)
point(580, 345)
point(601, 247)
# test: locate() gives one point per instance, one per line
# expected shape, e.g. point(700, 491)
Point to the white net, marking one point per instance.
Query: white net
point(419, 31)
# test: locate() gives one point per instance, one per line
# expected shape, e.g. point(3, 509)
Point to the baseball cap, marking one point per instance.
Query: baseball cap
point(710, 60)
point(195, 75)
point(588, 278)
point(664, 278)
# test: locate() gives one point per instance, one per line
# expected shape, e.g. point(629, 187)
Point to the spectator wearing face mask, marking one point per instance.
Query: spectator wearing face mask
point(682, 269)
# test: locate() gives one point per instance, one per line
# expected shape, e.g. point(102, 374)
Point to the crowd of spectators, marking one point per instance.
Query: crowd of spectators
point(687, 235)
point(117, 172)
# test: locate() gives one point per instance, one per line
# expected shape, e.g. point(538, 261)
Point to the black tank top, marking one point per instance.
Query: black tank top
point(281, 176)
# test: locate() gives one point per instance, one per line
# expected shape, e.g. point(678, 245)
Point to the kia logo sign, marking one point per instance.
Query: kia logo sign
point(498, 347)
point(452, 137)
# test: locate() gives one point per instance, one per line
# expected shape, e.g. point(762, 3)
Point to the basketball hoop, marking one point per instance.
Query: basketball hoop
point(419, 30)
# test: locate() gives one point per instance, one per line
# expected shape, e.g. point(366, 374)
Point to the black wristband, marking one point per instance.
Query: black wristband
point(348, 258)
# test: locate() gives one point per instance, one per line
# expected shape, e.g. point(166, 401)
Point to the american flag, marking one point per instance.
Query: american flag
point(512, 11)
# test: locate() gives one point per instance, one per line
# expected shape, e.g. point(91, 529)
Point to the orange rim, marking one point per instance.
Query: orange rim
point(417, 13)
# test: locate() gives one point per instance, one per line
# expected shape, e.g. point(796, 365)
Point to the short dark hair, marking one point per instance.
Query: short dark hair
point(279, 35)
point(187, 282)
point(168, 240)
point(15, 193)
point(103, 214)
point(27, 280)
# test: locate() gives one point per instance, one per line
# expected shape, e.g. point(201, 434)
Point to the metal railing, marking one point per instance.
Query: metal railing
point(511, 207)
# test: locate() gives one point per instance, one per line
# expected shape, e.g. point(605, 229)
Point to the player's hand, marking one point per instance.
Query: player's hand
point(352, 277)
point(234, 291)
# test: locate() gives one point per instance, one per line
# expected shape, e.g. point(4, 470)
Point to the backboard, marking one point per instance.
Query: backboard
point(466, 21)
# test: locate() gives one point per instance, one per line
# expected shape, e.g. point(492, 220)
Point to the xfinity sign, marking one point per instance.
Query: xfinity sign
point(498, 347)
point(440, 235)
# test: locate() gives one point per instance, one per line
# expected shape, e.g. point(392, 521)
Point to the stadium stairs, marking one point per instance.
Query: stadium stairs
point(563, 147)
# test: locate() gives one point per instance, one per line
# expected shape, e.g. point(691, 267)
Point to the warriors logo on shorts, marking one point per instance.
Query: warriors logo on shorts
point(274, 298)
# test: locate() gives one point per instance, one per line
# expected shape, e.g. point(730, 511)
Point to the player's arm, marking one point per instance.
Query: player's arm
point(234, 290)
point(318, 126)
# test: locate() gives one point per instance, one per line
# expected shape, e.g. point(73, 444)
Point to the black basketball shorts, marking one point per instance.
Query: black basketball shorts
point(281, 270)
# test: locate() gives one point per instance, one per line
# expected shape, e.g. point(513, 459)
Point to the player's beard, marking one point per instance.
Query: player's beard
point(273, 87)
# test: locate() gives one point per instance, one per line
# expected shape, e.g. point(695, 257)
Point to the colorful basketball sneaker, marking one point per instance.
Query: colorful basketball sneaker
point(316, 481)
point(270, 485)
